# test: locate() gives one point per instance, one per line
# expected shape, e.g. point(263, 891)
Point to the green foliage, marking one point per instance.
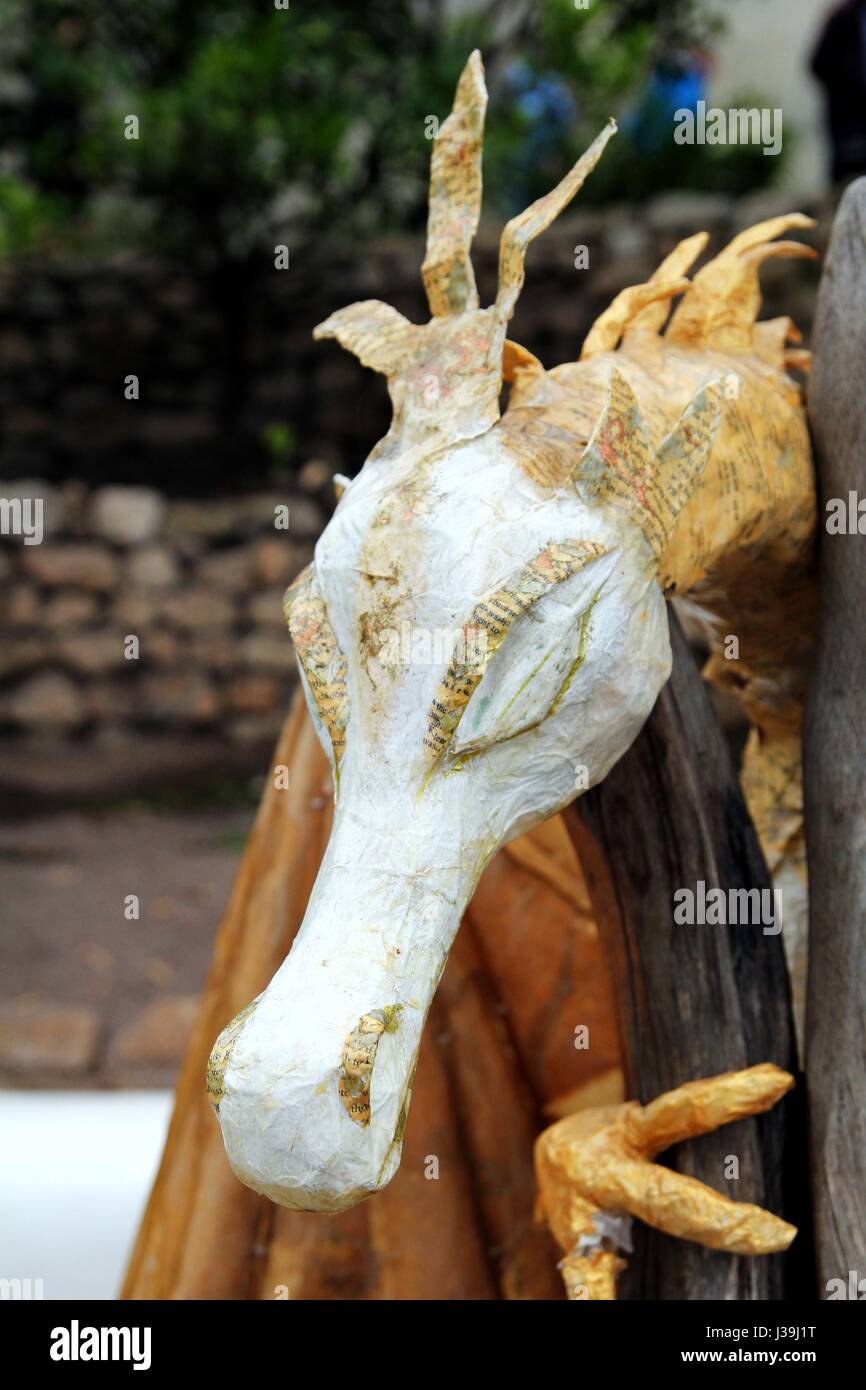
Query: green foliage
point(27, 215)
point(259, 124)
point(278, 441)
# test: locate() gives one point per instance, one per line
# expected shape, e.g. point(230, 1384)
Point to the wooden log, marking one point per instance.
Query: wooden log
point(696, 1000)
point(542, 956)
point(834, 764)
point(198, 1232)
point(418, 1239)
point(499, 1124)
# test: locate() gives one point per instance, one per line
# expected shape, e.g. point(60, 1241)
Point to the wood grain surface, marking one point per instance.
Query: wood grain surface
point(834, 765)
point(694, 1000)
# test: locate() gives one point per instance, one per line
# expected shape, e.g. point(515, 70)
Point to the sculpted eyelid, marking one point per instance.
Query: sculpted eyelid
point(494, 615)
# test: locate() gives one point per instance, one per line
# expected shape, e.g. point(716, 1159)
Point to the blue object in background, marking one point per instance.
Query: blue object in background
point(675, 84)
point(547, 106)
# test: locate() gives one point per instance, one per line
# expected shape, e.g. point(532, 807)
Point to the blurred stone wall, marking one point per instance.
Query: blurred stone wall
point(198, 583)
point(70, 334)
point(198, 579)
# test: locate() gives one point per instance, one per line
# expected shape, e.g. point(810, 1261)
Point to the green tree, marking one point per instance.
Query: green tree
point(257, 126)
point(308, 121)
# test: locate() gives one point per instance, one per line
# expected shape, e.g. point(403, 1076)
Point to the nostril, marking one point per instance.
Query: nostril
point(357, 1058)
point(221, 1053)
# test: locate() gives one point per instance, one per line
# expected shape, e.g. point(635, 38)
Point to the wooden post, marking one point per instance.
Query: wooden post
point(834, 764)
point(693, 1000)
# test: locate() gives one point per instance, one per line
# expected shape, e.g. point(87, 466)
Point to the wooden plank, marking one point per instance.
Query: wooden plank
point(834, 765)
point(543, 958)
point(693, 1000)
point(498, 1122)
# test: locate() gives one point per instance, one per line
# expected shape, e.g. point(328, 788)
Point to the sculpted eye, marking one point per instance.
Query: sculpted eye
point(544, 613)
point(529, 677)
point(322, 663)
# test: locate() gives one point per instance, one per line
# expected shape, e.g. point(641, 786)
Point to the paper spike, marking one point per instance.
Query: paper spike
point(651, 319)
point(619, 468)
point(455, 197)
point(529, 224)
point(610, 326)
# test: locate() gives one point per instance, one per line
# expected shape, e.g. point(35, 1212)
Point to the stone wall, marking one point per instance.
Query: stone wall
point(213, 378)
point(196, 583)
point(161, 537)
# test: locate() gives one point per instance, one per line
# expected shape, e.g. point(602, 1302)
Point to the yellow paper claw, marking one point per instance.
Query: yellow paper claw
point(595, 1169)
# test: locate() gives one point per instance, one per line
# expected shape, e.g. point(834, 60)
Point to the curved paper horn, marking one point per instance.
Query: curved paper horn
point(455, 197)
point(524, 228)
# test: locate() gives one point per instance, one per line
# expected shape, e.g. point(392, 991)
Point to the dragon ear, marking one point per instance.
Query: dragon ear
point(455, 197)
point(524, 228)
point(619, 466)
point(378, 335)
point(682, 456)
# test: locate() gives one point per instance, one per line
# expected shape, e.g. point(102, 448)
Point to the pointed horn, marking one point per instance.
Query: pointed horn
point(644, 308)
point(652, 318)
point(798, 360)
point(682, 1206)
point(723, 302)
point(524, 228)
point(767, 231)
point(610, 326)
point(455, 197)
point(731, 328)
point(701, 1106)
point(771, 338)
